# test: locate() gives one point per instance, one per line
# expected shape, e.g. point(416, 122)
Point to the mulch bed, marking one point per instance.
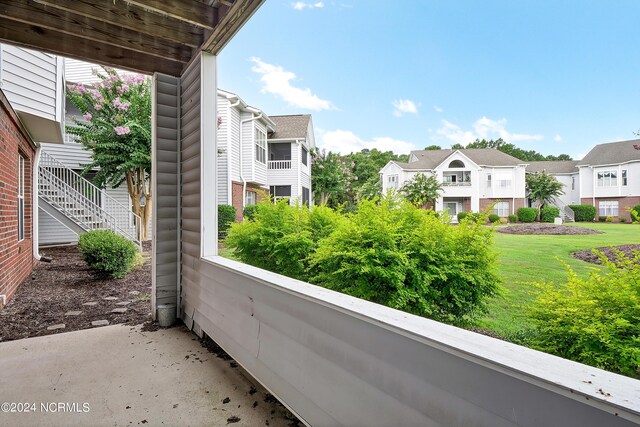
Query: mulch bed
point(63, 285)
point(551, 229)
point(588, 255)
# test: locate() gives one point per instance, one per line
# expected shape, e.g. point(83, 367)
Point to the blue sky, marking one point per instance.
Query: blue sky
point(554, 76)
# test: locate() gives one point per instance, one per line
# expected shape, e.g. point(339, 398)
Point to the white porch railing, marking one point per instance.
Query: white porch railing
point(456, 184)
point(279, 164)
point(84, 203)
point(566, 212)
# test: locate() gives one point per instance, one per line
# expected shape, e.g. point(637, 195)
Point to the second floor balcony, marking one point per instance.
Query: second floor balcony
point(279, 164)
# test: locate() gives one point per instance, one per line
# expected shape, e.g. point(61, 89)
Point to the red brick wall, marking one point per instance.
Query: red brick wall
point(16, 257)
point(236, 196)
point(513, 203)
point(623, 204)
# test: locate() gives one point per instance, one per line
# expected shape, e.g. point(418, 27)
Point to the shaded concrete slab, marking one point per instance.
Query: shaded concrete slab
point(120, 375)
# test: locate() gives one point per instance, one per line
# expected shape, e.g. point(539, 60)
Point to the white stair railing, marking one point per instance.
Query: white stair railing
point(279, 164)
point(565, 211)
point(84, 203)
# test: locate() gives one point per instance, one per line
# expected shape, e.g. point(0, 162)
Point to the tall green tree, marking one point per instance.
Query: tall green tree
point(116, 128)
point(330, 177)
point(519, 153)
point(542, 187)
point(421, 190)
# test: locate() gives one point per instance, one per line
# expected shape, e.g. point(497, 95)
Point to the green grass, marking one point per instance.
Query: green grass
point(227, 253)
point(523, 259)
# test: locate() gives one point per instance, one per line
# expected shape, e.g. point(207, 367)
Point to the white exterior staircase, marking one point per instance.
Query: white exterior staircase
point(566, 213)
point(80, 205)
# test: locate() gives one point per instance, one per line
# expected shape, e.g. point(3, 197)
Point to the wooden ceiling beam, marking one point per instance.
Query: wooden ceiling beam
point(192, 12)
point(120, 13)
point(230, 22)
point(28, 12)
point(64, 44)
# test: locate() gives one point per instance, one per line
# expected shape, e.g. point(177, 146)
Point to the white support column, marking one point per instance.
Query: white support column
point(208, 159)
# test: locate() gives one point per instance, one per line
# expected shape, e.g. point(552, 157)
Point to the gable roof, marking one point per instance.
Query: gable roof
point(554, 166)
point(612, 152)
point(430, 159)
point(290, 126)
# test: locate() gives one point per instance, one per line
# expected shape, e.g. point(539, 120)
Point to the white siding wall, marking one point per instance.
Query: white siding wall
point(71, 154)
point(224, 153)
point(82, 72)
point(515, 174)
point(31, 81)
point(588, 178)
point(570, 197)
point(288, 176)
point(260, 169)
point(246, 145)
point(234, 128)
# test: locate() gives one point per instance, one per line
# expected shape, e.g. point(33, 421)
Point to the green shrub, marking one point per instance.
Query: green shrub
point(602, 218)
point(462, 215)
point(609, 218)
point(513, 218)
point(636, 209)
point(527, 214)
point(395, 254)
point(226, 216)
point(477, 217)
point(107, 253)
point(622, 219)
point(250, 211)
point(635, 214)
point(583, 213)
point(592, 320)
point(494, 218)
point(549, 213)
point(281, 237)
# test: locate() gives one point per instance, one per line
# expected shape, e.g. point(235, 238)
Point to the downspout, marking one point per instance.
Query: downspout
point(244, 181)
point(299, 147)
point(229, 150)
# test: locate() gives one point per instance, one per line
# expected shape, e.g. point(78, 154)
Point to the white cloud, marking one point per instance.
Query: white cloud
point(277, 81)
point(483, 128)
point(401, 106)
point(299, 5)
point(345, 142)
point(557, 138)
point(437, 109)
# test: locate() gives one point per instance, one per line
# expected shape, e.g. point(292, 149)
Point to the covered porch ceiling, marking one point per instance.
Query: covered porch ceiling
point(141, 35)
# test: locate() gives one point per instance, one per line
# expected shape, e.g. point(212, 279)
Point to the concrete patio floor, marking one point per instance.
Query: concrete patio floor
point(123, 376)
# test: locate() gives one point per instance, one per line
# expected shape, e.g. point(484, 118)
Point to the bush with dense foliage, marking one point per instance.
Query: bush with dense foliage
point(226, 216)
point(281, 237)
point(462, 215)
point(493, 218)
point(513, 218)
point(592, 320)
point(635, 214)
point(583, 213)
point(527, 214)
point(392, 253)
point(108, 253)
point(249, 212)
point(549, 213)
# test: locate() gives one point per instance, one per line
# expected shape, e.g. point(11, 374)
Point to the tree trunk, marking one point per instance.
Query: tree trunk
point(137, 186)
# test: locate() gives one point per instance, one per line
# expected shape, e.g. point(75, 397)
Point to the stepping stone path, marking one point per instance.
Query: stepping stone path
point(134, 292)
point(119, 310)
point(123, 303)
point(91, 303)
point(73, 313)
point(100, 323)
point(110, 298)
point(54, 327)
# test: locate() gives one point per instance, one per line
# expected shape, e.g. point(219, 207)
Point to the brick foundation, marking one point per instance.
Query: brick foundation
point(236, 195)
point(16, 257)
point(623, 204)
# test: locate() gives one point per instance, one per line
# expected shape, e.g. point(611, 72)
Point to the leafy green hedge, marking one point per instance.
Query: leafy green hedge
point(389, 252)
point(108, 253)
point(583, 213)
point(462, 215)
point(494, 218)
point(513, 218)
point(250, 212)
point(527, 214)
point(549, 213)
point(226, 216)
point(592, 320)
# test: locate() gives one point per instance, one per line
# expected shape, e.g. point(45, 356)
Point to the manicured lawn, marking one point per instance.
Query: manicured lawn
point(523, 259)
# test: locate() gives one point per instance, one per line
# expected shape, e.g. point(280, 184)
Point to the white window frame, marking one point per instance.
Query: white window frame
point(250, 198)
point(20, 195)
point(304, 154)
point(608, 208)
point(624, 177)
point(607, 178)
point(501, 209)
point(260, 139)
point(488, 180)
point(393, 181)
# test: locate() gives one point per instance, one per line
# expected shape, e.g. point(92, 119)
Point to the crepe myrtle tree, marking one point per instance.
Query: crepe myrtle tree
point(116, 127)
point(331, 176)
point(421, 190)
point(542, 188)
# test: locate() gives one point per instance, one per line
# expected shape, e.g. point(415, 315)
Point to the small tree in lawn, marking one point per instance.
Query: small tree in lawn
point(543, 187)
point(422, 190)
point(116, 127)
point(330, 176)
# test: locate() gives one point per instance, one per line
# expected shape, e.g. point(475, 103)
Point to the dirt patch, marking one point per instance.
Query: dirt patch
point(63, 286)
point(588, 255)
point(550, 229)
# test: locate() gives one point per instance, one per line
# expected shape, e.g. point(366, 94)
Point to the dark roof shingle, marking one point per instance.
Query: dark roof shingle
point(429, 159)
point(612, 153)
point(291, 126)
point(553, 166)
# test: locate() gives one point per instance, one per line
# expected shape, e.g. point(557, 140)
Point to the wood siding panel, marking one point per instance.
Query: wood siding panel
point(166, 182)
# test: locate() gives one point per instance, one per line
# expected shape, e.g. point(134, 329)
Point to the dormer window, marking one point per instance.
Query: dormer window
point(456, 164)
